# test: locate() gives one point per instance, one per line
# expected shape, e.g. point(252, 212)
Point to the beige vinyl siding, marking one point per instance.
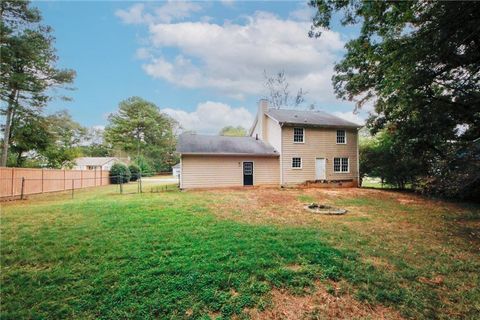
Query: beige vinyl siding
point(274, 134)
point(202, 171)
point(318, 143)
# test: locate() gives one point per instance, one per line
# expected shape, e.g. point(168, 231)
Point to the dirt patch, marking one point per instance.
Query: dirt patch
point(294, 267)
point(438, 280)
point(320, 305)
point(379, 263)
point(389, 229)
point(215, 315)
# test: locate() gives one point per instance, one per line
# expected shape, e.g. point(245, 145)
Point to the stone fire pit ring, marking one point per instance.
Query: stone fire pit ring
point(323, 209)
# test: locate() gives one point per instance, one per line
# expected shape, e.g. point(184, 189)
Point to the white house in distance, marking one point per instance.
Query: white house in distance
point(97, 163)
point(176, 170)
point(284, 147)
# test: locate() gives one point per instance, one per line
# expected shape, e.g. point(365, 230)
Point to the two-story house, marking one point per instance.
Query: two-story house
point(284, 147)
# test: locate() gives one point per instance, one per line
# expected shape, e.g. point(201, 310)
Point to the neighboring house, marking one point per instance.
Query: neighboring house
point(284, 147)
point(97, 163)
point(176, 170)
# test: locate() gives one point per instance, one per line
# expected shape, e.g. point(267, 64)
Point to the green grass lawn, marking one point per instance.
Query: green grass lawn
point(189, 255)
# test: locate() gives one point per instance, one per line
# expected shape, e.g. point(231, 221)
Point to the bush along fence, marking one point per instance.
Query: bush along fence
point(19, 182)
point(122, 179)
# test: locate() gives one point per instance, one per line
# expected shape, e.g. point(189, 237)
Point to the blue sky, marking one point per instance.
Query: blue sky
point(200, 62)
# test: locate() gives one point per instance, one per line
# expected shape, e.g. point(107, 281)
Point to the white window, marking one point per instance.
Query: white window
point(341, 165)
point(297, 163)
point(341, 137)
point(298, 135)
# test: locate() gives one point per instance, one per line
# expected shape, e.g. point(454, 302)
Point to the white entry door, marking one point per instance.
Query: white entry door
point(320, 169)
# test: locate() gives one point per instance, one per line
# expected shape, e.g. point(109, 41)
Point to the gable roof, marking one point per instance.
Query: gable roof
point(309, 118)
point(189, 143)
point(94, 161)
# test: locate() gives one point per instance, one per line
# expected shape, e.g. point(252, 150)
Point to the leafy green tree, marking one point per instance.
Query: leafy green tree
point(67, 137)
point(146, 168)
point(418, 62)
point(94, 144)
point(30, 136)
point(27, 64)
point(134, 171)
point(381, 156)
point(232, 131)
point(119, 173)
point(140, 129)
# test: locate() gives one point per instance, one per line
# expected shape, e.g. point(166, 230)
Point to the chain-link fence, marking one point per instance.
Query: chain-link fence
point(29, 186)
point(18, 183)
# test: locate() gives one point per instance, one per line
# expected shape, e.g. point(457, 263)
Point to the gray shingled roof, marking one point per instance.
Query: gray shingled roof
point(309, 118)
point(94, 161)
point(189, 143)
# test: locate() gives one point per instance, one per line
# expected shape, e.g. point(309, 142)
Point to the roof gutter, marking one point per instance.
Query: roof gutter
point(311, 125)
point(230, 154)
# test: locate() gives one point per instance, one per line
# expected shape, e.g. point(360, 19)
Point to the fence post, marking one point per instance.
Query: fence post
point(73, 187)
point(42, 180)
point(23, 188)
point(101, 176)
point(140, 179)
point(64, 180)
point(121, 183)
point(13, 180)
point(81, 178)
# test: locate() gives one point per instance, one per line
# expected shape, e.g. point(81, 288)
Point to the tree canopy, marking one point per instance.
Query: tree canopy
point(418, 62)
point(141, 130)
point(232, 131)
point(27, 65)
point(45, 141)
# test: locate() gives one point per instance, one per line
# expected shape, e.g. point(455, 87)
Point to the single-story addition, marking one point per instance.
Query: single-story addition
point(284, 148)
point(97, 163)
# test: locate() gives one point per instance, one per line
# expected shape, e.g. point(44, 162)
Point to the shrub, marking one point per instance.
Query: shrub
point(145, 167)
point(119, 173)
point(135, 172)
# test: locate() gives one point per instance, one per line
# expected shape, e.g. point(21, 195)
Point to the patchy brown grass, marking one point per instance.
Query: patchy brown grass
point(421, 241)
point(321, 304)
point(420, 257)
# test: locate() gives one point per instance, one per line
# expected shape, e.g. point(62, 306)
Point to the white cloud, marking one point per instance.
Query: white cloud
point(231, 57)
point(143, 53)
point(209, 117)
point(166, 13)
point(303, 13)
point(134, 15)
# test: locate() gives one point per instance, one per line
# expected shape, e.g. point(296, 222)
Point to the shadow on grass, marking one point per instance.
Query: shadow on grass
point(168, 259)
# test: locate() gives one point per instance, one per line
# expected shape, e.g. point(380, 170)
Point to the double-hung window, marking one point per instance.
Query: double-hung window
point(341, 137)
point(298, 135)
point(340, 165)
point(296, 163)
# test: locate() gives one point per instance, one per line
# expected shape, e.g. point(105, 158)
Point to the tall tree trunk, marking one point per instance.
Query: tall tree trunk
point(8, 126)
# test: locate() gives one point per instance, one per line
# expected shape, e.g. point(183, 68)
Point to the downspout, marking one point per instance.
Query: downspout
point(358, 161)
point(181, 172)
point(281, 154)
